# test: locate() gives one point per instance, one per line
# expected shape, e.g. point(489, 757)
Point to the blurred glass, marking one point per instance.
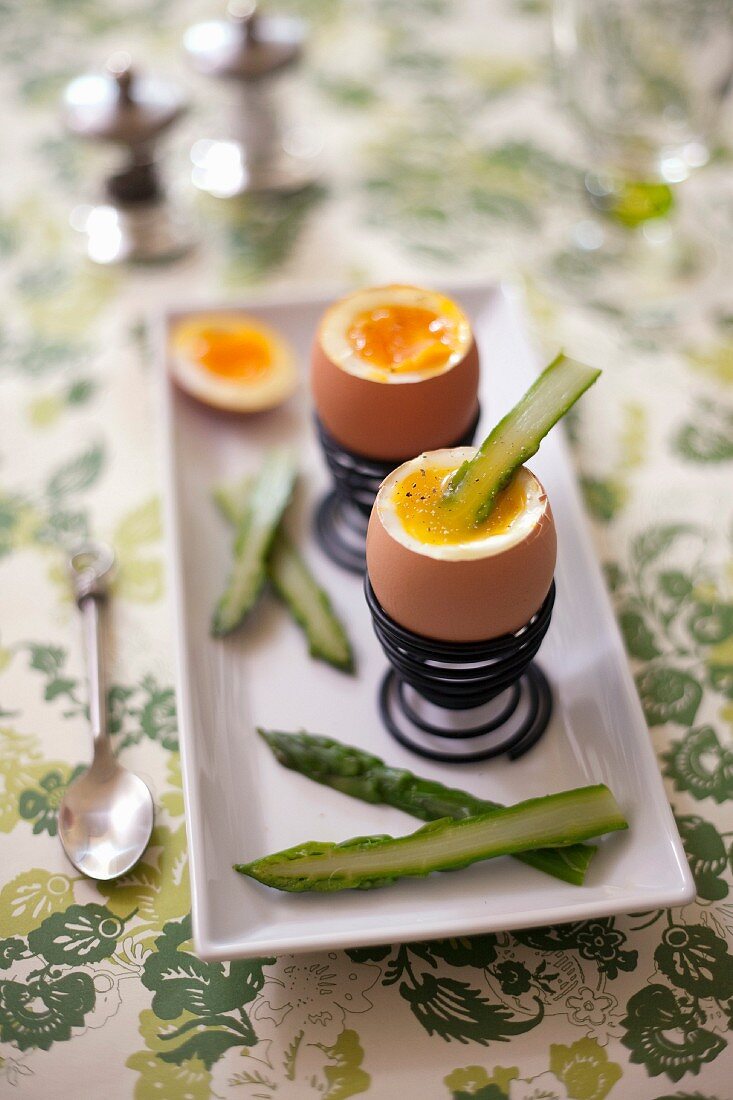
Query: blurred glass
point(645, 81)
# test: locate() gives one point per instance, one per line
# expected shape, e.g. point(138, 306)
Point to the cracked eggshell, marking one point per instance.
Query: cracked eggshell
point(461, 600)
point(394, 420)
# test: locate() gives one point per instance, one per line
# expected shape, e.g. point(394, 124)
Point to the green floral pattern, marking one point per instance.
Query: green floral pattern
point(82, 933)
point(665, 1033)
point(40, 804)
point(448, 159)
point(43, 1011)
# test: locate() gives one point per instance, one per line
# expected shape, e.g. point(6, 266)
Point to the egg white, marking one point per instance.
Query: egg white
point(236, 396)
point(490, 545)
point(339, 318)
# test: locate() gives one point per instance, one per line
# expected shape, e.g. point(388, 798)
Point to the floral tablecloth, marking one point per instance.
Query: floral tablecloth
point(445, 157)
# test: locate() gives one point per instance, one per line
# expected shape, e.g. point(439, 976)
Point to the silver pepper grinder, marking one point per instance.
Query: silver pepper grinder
point(135, 221)
point(249, 50)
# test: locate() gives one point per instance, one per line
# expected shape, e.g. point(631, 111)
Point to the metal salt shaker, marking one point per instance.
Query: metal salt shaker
point(248, 51)
point(135, 222)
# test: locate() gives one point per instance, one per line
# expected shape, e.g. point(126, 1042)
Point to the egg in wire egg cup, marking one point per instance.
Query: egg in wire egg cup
point(372, 413)
point(426, 696)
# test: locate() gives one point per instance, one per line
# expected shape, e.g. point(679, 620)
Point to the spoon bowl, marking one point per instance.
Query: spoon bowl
point(105, 820)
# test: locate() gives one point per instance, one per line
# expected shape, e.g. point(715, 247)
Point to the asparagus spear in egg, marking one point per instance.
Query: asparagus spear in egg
point(474, 487)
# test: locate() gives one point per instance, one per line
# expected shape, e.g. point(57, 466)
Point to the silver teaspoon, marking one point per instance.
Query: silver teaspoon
point(106, 815)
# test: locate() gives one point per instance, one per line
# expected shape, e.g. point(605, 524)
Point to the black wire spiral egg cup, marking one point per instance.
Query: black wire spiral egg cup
point(455, 677)
point(342, 516)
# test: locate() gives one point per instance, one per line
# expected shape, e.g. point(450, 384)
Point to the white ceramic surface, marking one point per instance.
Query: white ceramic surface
point(241, 804)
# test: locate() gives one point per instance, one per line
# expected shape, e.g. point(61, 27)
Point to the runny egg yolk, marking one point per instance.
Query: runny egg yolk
point(419, 506)
point(237, 354)
point(402, 338)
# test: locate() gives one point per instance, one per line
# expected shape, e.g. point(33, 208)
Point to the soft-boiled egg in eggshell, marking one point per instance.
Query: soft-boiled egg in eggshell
point(395, 371)
point(232, 362)
point(453, 584)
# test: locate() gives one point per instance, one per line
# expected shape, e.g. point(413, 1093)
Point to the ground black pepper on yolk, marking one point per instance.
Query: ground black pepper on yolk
point(419, 505)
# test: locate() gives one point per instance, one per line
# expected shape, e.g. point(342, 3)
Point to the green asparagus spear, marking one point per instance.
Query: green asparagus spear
point(296, 586)
point(362, 775)
point(271, 491)
point(367, 862)
point(309, 605)
point(232, 499)
point(475, 486)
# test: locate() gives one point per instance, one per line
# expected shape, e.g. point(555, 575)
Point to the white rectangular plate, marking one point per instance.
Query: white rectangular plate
point(241, 804)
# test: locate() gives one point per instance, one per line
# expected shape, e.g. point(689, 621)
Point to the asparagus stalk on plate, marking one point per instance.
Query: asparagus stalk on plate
point(368, 862)
point(271, 491)
point(362, 775)
point(473, 489)
point(296, 586)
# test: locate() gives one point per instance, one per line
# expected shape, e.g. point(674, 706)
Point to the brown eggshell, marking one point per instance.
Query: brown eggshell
point(462, 601)
point(393, 421)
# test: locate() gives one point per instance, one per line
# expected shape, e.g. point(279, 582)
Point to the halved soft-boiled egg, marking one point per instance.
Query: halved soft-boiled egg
point(395, 371)
point(453, 582)
point(232, 362)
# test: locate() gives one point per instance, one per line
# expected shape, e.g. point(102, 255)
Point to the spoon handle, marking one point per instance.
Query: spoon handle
point(91, 617)
point(91, 570)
